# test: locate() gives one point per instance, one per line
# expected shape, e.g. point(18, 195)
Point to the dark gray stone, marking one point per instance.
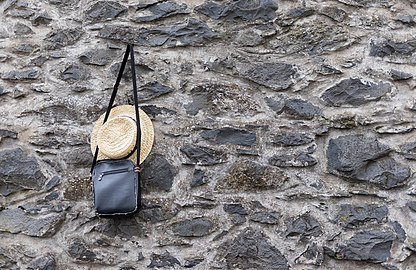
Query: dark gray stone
point(159, 10)
point(98, 57)
point(43, 263)
point(159, 210)
point(104, 11)
point(235, 208)
point(405, 19)
point(74, 74)
point(277, 76)
point(364, 159)
point(192, 32)
point(366, 3)
point(204, 156)
point(5, 133)
point(371, 246)
point(240, 10)
point(335, 13)
point(291, 139)
point(328, 70)
point(78, 156)
point(398, 75)
point(197, 227)
point(351, 216)
point(20, 10)
point(153, 111)
point(412, 205)
point(163, 260)
point(277, 105)
point(17, 221)
point(25, 48)
point(63, 37)
point(355, 92)
point(247, 175)
point(158, 174)
point(302, 108)
point(198, 178)
point(20, 170)
point(400, 232)
point(408, 150)
point(81, 252)
point(291, 16)
point(252, 250)
point(228, 135)
point(42, 18)
point(25, 74)
point(303, 226)
point(153, 90)
point(392, 48)
point(21, 29)
point(266, 217)
point(123, 227)
point(191, 262)
point(312, 255)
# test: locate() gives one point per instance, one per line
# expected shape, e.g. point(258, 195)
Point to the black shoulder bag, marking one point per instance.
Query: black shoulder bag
point(116, 183)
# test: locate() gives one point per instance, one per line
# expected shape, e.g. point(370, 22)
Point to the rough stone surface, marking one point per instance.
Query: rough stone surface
point(351, 216)
point(373, 246)
point(251, 250)
point(229, 135)
point(295, 118)
point(355, 92)
point(193, 227)
point(189, 33)
point(365, 159)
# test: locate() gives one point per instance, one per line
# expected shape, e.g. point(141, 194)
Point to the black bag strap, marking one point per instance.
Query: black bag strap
point(129, 50)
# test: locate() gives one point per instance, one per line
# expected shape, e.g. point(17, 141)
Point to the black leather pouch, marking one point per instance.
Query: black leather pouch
point(115, 187)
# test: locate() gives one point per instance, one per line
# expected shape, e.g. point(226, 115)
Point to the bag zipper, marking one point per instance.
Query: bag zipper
point(112, 172)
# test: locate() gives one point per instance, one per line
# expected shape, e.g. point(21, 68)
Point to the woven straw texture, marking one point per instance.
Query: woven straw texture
point(114, 139)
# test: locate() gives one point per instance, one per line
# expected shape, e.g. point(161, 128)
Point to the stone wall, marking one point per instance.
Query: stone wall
point(284, 133)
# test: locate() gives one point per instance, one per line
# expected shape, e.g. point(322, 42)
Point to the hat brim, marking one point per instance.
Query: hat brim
point(146, 126)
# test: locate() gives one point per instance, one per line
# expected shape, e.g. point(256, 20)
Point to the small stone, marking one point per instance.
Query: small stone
point(104, 11)
point(400, 232)
point(355, 92)
point(74, 74)
point(17, 221)
point(191, 262)
point(392, 48)
point(235, 208)
point(79, 157)
point(158, 174)
point(408, 150)
point(43, 263)
point(301, 158)
point(41, 19)
point(266, 217)
point(20, 171)
point(25, 48)
point(97, 57)
point(25, 74)
point(398, 75)
point(412, 205)
point(277, 76)
point(302, 109)
point(192, 32)
point(366, 3)
point(153, 111)
point(21, 29)
point(153, 90)
point(5, 133)
point(240, 10)
point(304, 226)
point(63, 37)
point(198, 178)
point(371, 246)
point(335, 13)
point(159, 10)
point(125, 227)
point(252, 250)
point(197, 227)
point(406, 19)
point(158, 210)
point(79, 251)
point(163, 260)
point(277, 105)
point(312, 255)
point(291, 139)
point(247, 175)
point(351, 216)
point(328, 70)
point(204, 156)
point(365, 159)
point(228, 135)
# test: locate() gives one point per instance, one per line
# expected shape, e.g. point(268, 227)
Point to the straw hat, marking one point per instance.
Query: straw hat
point(116, 138)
